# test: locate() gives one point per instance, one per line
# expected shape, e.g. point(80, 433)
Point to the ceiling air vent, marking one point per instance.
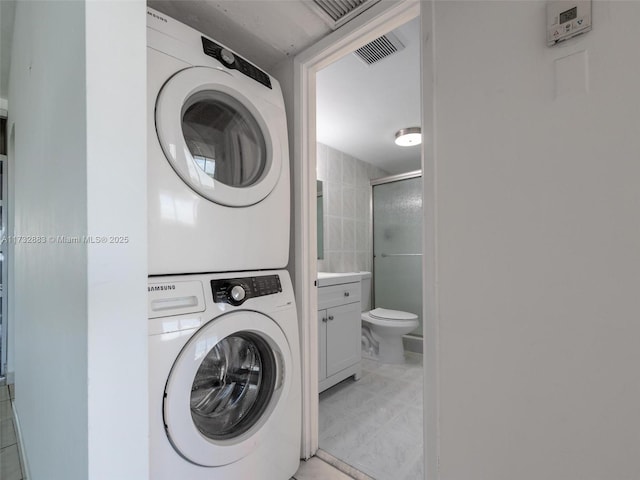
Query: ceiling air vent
point(380, 48)
point(338, 12)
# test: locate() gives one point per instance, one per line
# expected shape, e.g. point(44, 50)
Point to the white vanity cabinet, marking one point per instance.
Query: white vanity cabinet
point(339, 329)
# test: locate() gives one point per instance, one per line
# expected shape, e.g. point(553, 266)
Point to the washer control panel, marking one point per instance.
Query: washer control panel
point(235, 291)
point(235, 62)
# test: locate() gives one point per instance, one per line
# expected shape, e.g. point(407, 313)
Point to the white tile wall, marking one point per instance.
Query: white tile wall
point(346, 203)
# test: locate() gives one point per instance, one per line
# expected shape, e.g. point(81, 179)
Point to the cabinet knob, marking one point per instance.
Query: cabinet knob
point(324, 319)
point(346, 294)
point(330, 317)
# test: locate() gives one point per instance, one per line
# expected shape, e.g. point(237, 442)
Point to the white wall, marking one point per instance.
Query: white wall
point(76, 98)
point(283, 72)
point(47, 83)
point(538, 228)
point(116, 79)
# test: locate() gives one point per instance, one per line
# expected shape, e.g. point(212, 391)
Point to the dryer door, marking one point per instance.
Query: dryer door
point(224, 386)
point(220, 136)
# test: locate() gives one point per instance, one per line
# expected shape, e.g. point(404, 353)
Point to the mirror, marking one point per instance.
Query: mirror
point(320, 220)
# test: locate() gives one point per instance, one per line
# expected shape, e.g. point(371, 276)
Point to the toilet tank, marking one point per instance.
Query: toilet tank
point(365, 285)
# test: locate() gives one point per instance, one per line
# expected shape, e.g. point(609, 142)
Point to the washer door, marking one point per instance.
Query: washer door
point(223, 387)
point(221, 141)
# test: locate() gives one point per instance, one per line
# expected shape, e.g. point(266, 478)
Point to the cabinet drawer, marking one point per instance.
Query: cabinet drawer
point(334, 295)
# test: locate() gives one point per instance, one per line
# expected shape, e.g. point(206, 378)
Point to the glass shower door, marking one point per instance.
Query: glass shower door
point(397, 246)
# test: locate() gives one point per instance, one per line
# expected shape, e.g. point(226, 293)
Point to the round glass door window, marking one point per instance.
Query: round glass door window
point(224, 139)
point(233, 386)
point(224, 386)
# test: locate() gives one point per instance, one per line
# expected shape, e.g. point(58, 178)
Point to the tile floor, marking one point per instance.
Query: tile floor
point(375, 424)
point(10, 467)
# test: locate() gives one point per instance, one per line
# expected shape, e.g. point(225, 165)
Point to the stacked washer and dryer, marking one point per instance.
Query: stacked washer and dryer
point(225, 388)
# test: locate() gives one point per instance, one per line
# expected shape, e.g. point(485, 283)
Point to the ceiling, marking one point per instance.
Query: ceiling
point(265, 32)
point(359, 107)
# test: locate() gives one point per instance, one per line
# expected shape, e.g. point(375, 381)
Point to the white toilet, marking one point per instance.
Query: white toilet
point(382, 328)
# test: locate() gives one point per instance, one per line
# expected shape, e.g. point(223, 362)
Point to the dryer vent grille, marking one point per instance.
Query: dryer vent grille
point(338, 12)
point(380, 48)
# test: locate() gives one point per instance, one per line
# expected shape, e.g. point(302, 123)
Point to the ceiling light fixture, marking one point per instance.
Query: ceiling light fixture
point(407, 137)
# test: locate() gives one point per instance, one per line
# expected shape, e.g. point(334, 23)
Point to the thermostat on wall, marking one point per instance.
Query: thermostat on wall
point(566, 19)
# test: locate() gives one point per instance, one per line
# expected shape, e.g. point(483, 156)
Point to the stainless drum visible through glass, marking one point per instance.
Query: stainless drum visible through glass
point(233, 386)
point(224, 138)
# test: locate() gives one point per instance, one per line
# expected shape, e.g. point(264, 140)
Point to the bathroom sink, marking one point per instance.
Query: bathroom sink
point(329, 278)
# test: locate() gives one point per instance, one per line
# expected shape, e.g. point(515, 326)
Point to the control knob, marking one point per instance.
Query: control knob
point(238, 293)
point(227, 56)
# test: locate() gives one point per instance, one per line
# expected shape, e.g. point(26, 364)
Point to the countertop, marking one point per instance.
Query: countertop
point(327, 278)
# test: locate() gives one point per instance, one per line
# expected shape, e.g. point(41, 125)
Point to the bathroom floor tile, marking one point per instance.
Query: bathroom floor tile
point(405, 422)
point(385, 455)
point(405, 392)
point(374, 382)
point(414, 469)
point(375, 424)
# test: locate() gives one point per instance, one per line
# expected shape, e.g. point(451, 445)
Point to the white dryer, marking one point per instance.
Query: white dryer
point(218, 157)
point(225, 387)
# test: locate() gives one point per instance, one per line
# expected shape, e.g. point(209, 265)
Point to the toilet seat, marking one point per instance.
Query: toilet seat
point(386, 314)
point(390, 318)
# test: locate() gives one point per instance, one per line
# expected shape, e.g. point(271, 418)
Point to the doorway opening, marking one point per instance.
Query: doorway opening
point(324, 255)
point(370, 403)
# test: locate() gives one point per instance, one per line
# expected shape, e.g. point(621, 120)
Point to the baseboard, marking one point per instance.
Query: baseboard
point(413, 343)
point(26, 474)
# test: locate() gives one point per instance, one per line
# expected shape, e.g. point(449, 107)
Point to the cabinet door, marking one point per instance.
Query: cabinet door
point(343, 337)
point(322, 344)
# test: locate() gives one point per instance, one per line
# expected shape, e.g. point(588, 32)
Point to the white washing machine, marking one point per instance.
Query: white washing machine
point(225, 387)
point(218, 157)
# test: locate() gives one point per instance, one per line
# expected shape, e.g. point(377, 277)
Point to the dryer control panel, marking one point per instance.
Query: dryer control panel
point(230, 60)
point(235, 291)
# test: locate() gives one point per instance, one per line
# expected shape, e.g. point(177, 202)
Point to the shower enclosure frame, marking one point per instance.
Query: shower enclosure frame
point(381, 181)
point(396, 178)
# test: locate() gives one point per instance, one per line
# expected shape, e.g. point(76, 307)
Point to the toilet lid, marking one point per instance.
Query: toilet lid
point(386, 314)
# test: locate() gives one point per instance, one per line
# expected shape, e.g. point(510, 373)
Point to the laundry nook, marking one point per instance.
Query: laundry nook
point(319, 239)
